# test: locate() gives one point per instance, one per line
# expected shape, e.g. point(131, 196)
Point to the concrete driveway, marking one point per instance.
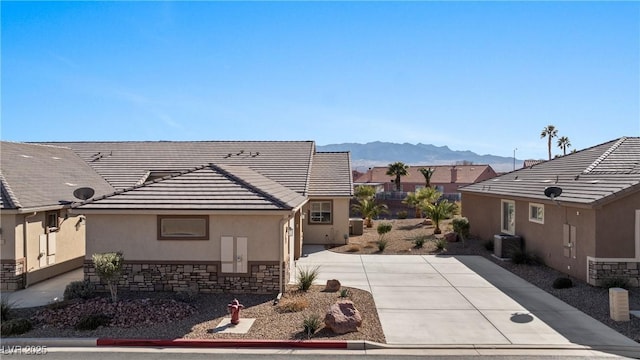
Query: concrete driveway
point(461, 300)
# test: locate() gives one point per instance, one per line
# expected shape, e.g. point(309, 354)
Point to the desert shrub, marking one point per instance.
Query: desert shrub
point(108, 266)
point(419, 241)
point(93, 321)
point(344, 293)
point(525, 258)
point(382, 244)
point(441, 244)
point(294, 304)
point(616, 282)
point(383, 229)
point(489, 245)
point(79, 290)
point(461, 227)
point(306, 277)
point(562, 283)
point(6, 306)
point(15, 327)
point(311, 324)
point(353, 248)
point(402, 214)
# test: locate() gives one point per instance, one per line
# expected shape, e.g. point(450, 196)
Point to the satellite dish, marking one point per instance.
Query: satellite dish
point(552, 192)
point(83, 193)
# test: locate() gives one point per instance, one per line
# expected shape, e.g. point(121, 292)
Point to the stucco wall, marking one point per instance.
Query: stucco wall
point(136, 237)
point(8, 236)
point(328, 234)
point(483, 213)
point(615, 228)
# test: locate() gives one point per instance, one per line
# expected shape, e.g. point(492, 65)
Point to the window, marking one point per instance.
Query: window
point(190, 227)
point(536, 213)
point(508, 216)
point(52, 221)
point(320, 212)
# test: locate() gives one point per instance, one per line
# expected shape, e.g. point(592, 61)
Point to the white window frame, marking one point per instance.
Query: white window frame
point(507, 229)
point(313, 218)
point(535, 219)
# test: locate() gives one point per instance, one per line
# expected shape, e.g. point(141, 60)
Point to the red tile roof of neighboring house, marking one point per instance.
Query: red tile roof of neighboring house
point(464, 174)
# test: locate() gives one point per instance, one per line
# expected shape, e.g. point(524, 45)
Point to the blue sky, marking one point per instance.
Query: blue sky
point(485, 77)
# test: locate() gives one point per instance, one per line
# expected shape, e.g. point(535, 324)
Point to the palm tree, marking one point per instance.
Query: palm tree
point(440, 211)
point(364, 192)
point(369, 209)
point(398, 169)
point(549, 132)
point(413, 201)
point(564, 143)
point(427, 175)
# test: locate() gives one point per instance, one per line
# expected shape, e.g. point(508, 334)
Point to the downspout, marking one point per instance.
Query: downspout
point(281, 257)
point(24, 247)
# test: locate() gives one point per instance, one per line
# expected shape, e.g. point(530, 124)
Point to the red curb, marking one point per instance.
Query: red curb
point(219, 343)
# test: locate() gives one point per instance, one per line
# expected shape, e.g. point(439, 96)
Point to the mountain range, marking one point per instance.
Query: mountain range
point(380, 153)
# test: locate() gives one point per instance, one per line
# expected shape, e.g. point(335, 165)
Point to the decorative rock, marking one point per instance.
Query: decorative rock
point(343, 317)
point(333, 285)
point(427, 222)
point(451, 237)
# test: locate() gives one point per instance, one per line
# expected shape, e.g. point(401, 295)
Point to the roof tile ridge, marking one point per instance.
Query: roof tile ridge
point(139, 185)
point(38, 144)
point(7, 190)
point(245, 183)
point(604, 155)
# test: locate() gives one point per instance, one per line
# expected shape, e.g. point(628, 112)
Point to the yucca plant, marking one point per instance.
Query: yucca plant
point(306, 277)
point(311, 324)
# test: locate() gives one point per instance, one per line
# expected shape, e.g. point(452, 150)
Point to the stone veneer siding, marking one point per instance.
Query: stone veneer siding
point(141, 276)
point(12, 275)
point(600, 271)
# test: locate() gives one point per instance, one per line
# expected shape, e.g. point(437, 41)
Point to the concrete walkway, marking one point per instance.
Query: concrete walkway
point(461, 300)
point(43, 292)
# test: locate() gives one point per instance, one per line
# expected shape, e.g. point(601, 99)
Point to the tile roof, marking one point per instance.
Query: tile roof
point(125, 164)
point(331, 175)
point(465, 174)
point(208, 187)
point(590, 176)
point(531, 162)
point(34, 176)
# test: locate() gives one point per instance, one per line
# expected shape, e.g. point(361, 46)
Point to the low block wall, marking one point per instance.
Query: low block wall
point(601, 271)
point(11, 275)
point(262, 278)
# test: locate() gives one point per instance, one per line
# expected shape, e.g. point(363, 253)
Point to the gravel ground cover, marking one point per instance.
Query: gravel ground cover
point(594, 301)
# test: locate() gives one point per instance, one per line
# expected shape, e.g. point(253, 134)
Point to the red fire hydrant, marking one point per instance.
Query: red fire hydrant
point(234, 310)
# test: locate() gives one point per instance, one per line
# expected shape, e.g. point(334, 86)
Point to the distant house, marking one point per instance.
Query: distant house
point(446, 178)
point(39, 236)
point(591, 231)
point(214, 215)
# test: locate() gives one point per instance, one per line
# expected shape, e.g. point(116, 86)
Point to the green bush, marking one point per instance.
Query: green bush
point(616, 282)
point(344, 293)
point(93, 321)
point(15, 327)
point(384, 228)
point(562, 283)
point(461, 227)
point(419, 241)
point(6, 307)
point(79, 290)
point(306, 277)
point(382, 244)
point(402, 214)
point(441, 244)
point(108, 266)
point(311, 324)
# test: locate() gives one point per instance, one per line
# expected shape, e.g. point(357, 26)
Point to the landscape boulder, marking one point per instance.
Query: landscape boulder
point(333, 285)
point(343, 317)
point(451, 237)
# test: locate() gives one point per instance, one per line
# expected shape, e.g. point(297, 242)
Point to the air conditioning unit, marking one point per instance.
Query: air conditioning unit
point(504, 246)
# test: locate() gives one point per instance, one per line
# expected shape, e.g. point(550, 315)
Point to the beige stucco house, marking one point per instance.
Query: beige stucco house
point(214, 215)
point(590, 231)
point(39, 236)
